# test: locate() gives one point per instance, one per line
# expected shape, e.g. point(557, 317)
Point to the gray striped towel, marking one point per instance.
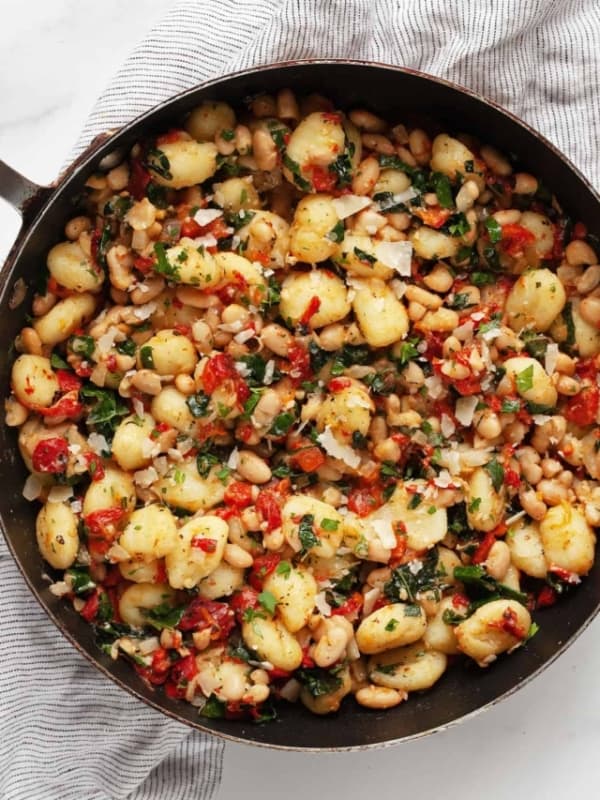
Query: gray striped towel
point(65, 732)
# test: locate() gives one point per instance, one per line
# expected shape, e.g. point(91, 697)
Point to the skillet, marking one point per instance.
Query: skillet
point(393, 93)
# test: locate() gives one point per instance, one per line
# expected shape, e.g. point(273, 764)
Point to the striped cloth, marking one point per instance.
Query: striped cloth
point(65, 732)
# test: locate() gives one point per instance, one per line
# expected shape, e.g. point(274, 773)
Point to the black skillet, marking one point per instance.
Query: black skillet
point(394, 93)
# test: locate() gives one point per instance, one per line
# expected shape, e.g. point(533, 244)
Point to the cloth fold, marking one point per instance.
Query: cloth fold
point(65, 732)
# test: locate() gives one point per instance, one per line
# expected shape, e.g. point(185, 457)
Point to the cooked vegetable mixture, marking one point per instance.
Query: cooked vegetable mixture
point(310, 401)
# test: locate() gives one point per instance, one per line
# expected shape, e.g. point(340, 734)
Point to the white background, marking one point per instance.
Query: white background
point(55, 58)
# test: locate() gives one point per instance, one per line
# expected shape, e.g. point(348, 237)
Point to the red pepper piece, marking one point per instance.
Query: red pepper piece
point(51, 455)
point(262, 567)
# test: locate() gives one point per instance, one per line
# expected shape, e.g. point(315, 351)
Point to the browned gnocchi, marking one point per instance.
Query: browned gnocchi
point(311, 404)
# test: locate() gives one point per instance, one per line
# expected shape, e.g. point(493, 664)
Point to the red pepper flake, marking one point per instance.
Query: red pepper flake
point(510, 624)
point(313, 306)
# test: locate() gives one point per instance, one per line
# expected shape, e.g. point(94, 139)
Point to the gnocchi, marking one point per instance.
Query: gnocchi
point(311, 405)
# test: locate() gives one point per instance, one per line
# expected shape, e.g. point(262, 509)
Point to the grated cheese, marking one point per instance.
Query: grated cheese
point(98, 443)
point(145, 477)
point(385, 532)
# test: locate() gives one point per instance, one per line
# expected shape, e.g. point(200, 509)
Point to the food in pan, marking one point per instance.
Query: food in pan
point(310, 403)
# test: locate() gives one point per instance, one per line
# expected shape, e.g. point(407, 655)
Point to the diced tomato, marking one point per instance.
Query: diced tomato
point(322, 179)
point(307, 660)
point(262, 567)
point(104, 522)
point(483, 550)
point(336, 385)
point(512, 478)
point(332, 116)
point(204, 544)
point(90, 608)
point(139, 178)
point(433, 217)
point(238, 494)
point(184, 330)
point(546, 597)
point(515, 238)
point(95, 466)
point(364, 501)
point(190, 229)
point(311, 309)
point(51, 455)
point(243, 600)
point(278, 674)
point(55, 287)
point(587, 368)
point(308, 459)
point(352, 605)
point(582, 409)
point(181, 674)
point(467, 386)
point(460, 600)
point(172, 135)
point(579, 231)
point(267, 505)
point(202, 614)
point(160, 660)
point(68, 406)
point(218, 369)
point(143, 264)
point(299, 358)
point(67, 381)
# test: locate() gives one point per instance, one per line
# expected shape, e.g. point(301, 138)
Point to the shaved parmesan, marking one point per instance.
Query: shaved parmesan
point(447, 425)
point(106, 341)
point(399, 288)
point(232, 461)
point(58, 494)
point(145, 311)
point(322, 604)
point(244, 336)
point(385, 532)
point(150, 448)
point(59, 589)
point(204, 216)
point(138, 407)
point(232, 327)
point(205, 241)
point(397, 255)
point(464, 331)
point(515, 517)
point(541, 419)
point(145, 477)
point(161, 465)
point(435, 387)
point(349, 204)
point(342, 451)
point(269, 372)
point(465, 409)
point(32, 488)
point(370, 598)
point(551, 357)
point(242, 369)
point(98, 443)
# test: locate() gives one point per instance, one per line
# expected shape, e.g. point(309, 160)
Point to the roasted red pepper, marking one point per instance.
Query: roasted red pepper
point(51, 455)
point(582, 409)
point(263, 566)
point(238, 494)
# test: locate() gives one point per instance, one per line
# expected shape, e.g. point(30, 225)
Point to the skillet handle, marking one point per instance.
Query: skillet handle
point(18, 190)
